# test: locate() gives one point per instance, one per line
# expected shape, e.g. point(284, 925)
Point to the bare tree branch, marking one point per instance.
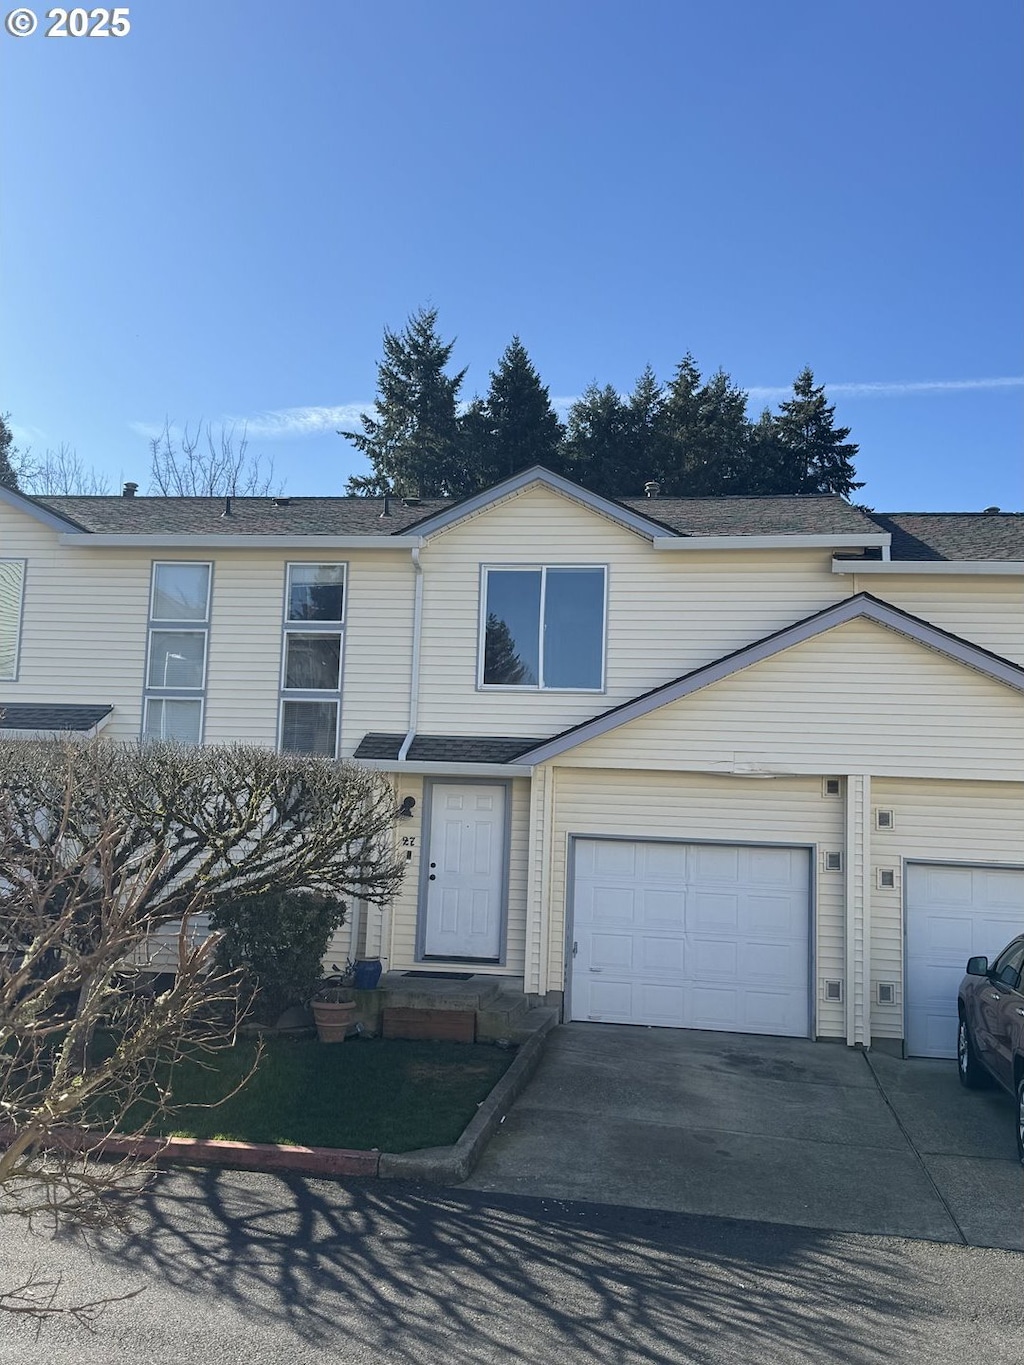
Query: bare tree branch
point(208, 463)
point(58, 473)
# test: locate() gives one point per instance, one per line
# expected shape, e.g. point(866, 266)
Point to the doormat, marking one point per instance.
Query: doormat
point(442, 976)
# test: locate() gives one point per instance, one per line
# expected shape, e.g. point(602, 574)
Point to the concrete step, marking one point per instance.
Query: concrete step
point(439, 993)
point(502, 1018)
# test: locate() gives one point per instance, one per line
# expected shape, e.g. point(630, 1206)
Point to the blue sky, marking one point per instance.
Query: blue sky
point(216, 215)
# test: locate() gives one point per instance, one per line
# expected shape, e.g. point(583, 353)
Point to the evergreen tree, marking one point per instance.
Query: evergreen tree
point(414, 441)
point(706, 429)
point(597, 443)
point(8, 474)
point(515, 426)
point(817, 450)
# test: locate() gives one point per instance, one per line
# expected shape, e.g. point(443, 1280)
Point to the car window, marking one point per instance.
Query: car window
point(1007, 969)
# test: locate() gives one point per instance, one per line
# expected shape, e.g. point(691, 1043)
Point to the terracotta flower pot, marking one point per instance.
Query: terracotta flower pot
point(333, 1019)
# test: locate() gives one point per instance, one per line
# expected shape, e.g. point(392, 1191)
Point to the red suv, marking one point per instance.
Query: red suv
point(990, 1040)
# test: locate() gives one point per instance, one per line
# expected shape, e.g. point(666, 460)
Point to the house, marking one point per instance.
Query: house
point(749, 764)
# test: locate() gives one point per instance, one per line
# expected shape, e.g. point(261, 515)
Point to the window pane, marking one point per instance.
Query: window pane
point(11, 574)
point(310, 727)
point(178, 720)
point(180, 592)
point(176, 658)
point(313, 662)
point(316, 592)
point(573, 627)
point(512, 631)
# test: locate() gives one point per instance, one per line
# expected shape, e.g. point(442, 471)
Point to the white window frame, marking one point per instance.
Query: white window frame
point(169, 689)
point(539, 686)
point(192, 564)
point(200, 702)
point(18, 618)
point(334, 629)
point(289, 622)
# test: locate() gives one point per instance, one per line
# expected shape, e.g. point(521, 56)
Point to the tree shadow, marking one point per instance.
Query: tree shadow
point(427, 1274)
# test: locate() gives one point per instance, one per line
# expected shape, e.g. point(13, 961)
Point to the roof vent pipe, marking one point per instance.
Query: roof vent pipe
point(129, 490)
point(652, 489)
point(387, 505)
point(227, 508)
point(990, 510)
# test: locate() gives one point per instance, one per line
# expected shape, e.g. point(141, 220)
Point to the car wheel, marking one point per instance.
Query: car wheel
point(1020, 1119)
point(971, 1072)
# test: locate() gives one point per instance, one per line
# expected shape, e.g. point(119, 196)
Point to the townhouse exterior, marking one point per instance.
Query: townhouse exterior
point(750, 764)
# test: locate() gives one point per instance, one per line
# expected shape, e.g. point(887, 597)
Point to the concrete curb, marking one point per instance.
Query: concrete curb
point(450, 1165)
point(444, 1165)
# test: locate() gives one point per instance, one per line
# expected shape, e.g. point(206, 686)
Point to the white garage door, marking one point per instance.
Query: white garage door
point(952, 913)
point(703, 936)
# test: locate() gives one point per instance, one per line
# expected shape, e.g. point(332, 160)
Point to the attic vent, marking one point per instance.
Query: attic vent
point(885, 819)
point(831, 786)
point(886, 992)
point(282, 502)
point(832, 861)
point(832, 992)
point(651, 489)
point(990, 511)
point(886, 878)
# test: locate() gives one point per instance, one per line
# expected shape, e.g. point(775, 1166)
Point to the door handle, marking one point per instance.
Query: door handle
point(597, 970)
point(1021, 1013)
point(992, 995)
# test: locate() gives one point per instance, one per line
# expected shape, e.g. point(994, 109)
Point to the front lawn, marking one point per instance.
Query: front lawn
point(384, 1093)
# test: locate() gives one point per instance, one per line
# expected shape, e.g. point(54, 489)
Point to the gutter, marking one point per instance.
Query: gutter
point(881, 541)
point(990, 567)
point(395, 765)
point(241, 541)
point(414, 677)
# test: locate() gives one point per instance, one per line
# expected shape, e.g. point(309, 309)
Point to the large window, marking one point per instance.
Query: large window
point(12, 584)
point(314, 620)
point(179, 627)
point(543, 628)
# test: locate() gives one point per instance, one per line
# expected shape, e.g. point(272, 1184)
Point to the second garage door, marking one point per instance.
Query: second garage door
point(705, 936)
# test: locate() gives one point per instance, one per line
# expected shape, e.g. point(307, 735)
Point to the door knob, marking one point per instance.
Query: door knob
point(432, 878)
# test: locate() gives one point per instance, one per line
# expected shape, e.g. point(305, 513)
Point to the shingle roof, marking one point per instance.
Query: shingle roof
point(446, 748)
point(249, 516)
point(779, 515)
point(29, 716)
point(954, 535)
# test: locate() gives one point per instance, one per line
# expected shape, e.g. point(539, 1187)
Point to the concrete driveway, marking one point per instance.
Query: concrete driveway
point(774, 1129)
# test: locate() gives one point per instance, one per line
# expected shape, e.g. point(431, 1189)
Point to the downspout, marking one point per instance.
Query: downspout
point(414, 681)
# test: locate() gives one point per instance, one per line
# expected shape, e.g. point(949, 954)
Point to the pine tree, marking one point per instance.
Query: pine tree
point(515, 426)
point(597, 443)
point(414, 441)
point(8, 474)
point(706, 430)
point(817, 450)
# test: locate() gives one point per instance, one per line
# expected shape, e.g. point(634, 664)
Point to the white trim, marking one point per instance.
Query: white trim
point(414, 676)
point(990, 567)
point(242, 541)
point(23, 503)
point(203, 620)
point(543, 569)
point(312, 693)
point(290, 622)
point(150, 700)
point(392, 765)
point(312, 699)
point(19, 616)
point(772, 542)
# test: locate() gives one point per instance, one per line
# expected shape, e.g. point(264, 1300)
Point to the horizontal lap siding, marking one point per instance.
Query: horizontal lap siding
point(971, 822)
point(856, 699)
point(989, 611)
point(666, 613)
point(692, 807)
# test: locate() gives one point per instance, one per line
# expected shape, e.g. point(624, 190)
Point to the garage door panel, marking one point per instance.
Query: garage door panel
point(952, 913)
point(712, 924)
point(614, 904)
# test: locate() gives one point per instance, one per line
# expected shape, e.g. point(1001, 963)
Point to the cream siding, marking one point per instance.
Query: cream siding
point(989, 611)
point(858, 698)
point(667, 614)
point(969, 822)
point(692, 807)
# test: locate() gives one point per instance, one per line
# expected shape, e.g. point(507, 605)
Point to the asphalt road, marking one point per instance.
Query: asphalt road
point(252, 1268)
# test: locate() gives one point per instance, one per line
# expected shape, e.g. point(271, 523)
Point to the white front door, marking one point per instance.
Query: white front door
point(465, 872)
point(952, 913)
point(703, 936)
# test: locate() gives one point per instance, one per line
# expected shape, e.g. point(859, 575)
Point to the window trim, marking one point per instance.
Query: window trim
point(322, 698)
point(315, 626)
point(542, 569)
point(192, 563)
point(311, 693)
point(152, 697)
point(19, 617)
point(168, 689)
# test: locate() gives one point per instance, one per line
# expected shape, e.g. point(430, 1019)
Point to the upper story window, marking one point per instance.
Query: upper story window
point(179, 628)
point(12, 586)
point(543, 628)
point(314, 619)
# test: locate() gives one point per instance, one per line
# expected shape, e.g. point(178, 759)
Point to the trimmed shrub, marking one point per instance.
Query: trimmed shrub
point(279, 941)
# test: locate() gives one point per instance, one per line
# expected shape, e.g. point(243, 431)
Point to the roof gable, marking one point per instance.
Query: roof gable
point(863, 606)
point(39, 511)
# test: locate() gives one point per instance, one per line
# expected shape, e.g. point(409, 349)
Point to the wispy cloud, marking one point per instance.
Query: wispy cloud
point(900, 389)
point(275, 423)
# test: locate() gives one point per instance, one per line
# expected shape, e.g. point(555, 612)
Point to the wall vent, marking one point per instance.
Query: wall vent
point(886, 992)
point(832, 992)
point(886, 878)
point(832, 861)
point(831, 786)
point(885, 819)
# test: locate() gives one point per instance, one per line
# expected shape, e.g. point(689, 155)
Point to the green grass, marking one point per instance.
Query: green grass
point(382, 1093)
